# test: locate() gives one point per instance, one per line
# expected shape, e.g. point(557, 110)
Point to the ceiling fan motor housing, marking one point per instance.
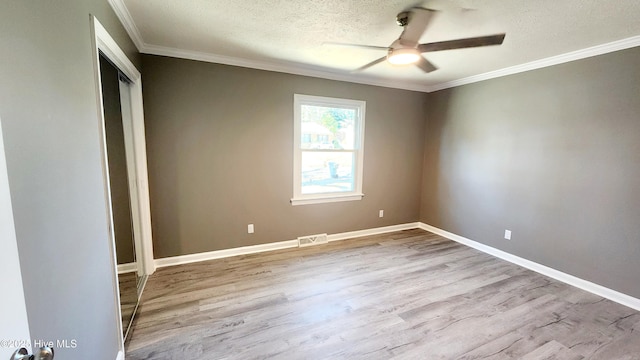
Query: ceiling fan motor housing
point(402, 19)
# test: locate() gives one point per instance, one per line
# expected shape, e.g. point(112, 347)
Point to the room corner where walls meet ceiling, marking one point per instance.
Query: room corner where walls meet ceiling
point(289, 38)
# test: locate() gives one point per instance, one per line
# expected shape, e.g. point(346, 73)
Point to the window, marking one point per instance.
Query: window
point(328, 149)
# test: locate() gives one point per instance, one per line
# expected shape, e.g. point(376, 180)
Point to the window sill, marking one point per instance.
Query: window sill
point(325, 199)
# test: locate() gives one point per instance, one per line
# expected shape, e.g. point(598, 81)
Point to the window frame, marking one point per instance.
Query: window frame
point(360, 106)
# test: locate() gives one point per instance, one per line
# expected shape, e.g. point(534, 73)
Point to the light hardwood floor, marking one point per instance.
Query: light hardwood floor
point(404, 295)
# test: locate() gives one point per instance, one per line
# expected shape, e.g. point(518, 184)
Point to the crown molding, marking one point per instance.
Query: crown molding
point(280, 66)
point(125, 18)
point(298, 69)
point(542, 63)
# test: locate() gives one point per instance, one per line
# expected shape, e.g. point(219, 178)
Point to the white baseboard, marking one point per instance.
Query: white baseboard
point(369, 232)
point(593, 288)
point(253, 249)
point(127, 268)
point(219, 254)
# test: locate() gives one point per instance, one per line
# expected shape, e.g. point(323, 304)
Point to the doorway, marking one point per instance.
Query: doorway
point(117, 110)
point(129, 213)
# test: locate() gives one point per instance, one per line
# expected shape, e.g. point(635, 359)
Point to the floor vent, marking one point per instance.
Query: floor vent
point(312, 240)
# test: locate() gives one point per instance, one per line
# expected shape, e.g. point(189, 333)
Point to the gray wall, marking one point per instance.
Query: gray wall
point(117, 159)
point(51, 133)
point(551, 154)
point(220, 142)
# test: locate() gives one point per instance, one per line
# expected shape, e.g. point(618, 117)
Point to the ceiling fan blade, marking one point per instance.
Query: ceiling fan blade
point(462, 43)
point(374, 62)
point(419, 19)
point(426, 65)
point(370, 47)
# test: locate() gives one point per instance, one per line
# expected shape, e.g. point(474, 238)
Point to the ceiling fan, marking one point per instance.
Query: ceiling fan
point(407, 49)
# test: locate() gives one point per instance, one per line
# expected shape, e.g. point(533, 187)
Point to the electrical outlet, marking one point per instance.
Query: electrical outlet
point(250, 228)
point(381, 213)
point(507, 234)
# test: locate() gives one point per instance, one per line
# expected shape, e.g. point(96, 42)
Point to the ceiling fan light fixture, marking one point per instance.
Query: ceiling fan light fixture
point(403, 56)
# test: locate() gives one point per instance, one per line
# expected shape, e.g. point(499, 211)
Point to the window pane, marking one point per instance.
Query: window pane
point(325, 172)
point(327, 127)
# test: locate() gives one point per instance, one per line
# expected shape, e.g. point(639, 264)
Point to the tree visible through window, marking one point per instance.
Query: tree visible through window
point(328, 149)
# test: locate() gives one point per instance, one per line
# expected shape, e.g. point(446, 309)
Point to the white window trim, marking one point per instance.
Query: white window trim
point(305, 199)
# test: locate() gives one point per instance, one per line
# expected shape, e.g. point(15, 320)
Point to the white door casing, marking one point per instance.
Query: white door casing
point(129, 144)
point(135, 148)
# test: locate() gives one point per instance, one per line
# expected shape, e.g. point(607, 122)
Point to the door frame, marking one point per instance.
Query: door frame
point(135, 146)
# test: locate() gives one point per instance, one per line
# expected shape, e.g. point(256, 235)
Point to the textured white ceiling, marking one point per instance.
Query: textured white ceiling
point(289, 34)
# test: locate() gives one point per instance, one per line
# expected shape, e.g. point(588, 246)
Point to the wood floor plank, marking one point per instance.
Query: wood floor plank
point(552, 350)
point(403, 295)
